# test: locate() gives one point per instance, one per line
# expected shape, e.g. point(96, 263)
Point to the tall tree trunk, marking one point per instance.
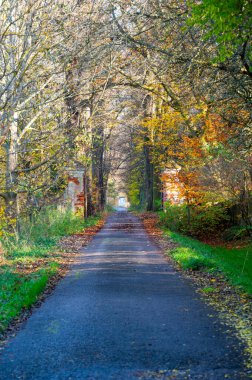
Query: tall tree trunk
point(148, 165)
point(11, 194)
point(72, 106)
point(245, 203)
point(97, 169)
point(89, 210)
point(157, 193)
point(149, 180)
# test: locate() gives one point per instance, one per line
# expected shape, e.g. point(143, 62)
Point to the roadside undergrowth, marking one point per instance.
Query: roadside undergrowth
point(224, 281)
point(31, 267)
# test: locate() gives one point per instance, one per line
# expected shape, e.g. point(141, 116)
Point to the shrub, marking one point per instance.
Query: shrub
point(43, 232)
point(208, 219)
point(237, 232)
point(204, 219)
point(157, 204)
point(50, 224)
point(174, 217)
point(109, 208)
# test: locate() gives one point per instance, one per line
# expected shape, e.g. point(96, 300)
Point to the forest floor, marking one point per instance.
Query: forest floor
point(122, 312)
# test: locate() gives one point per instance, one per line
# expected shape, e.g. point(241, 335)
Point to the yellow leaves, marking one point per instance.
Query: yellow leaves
point(165, 132)
point(5, 222)
point(168, 120)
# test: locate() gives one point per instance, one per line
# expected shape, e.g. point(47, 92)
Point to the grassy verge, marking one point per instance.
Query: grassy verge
point(235, 263)
point(26, 266)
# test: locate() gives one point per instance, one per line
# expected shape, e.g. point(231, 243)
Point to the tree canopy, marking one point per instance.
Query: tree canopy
point(130, 90)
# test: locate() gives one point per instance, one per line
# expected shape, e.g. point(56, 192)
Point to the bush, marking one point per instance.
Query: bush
point(237, 233)
point(204, 219)
point(51, 224)
point(43, 232)
point(109, 208)
point(174, 217)
point(157, 204)
point(208, 219)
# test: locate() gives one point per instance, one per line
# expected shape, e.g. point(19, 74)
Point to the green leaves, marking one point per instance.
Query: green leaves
point(227, 22)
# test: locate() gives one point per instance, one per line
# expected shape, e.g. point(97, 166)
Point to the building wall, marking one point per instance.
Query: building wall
point(74, 193)
point(171, 187)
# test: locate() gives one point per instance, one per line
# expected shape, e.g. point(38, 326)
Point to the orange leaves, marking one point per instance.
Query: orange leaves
point(216, 130)
point(225, 123)
point(181, 185)
point(192, 190)
point(190, 148)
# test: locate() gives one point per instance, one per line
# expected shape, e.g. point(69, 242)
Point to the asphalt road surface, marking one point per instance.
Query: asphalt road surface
point(122, 313)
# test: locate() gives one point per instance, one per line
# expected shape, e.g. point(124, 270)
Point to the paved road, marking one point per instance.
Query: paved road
point(122, 313)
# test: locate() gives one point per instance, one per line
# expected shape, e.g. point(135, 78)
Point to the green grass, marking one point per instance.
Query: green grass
point(29, 263)
point(235, 263)
point(208, 289)
point(18, 292)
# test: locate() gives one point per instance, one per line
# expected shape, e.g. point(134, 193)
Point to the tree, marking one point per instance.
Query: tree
point(229, 24)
